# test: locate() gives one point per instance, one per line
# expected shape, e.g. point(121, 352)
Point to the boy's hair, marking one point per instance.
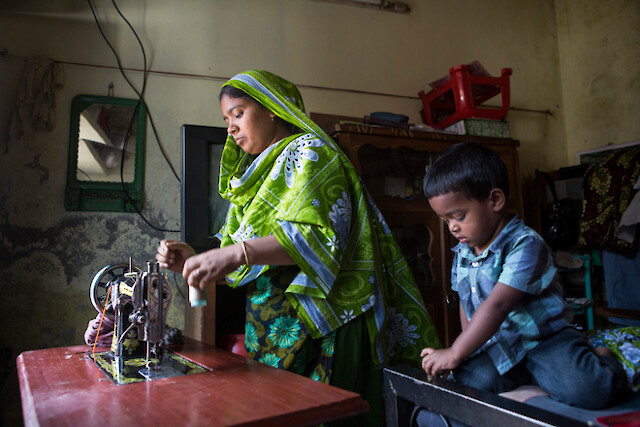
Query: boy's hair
point(469, 168)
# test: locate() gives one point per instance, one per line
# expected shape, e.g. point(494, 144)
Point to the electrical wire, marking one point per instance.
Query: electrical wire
point(144, 85)
point(124, 334)
point(175, 283)
point(106, 303)
point(5, 53)
point(135, 112)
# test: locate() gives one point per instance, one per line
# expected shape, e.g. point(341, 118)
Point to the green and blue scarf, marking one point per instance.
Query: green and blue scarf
point(304, 191)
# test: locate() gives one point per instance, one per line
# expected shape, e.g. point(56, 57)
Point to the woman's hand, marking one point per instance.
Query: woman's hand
point(436, 362)
point(205, 269)
point(172, 254)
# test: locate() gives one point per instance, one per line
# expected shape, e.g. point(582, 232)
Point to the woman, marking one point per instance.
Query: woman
point(329, 293)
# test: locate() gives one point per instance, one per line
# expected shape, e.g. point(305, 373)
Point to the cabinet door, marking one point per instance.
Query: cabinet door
point(393, 176)
point(392, 168)
point(419, 234)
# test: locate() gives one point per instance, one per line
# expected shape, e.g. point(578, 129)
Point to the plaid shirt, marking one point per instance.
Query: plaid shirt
point(519, 258)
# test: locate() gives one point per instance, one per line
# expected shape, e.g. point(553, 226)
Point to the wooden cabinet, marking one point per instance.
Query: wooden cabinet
point(391, 163)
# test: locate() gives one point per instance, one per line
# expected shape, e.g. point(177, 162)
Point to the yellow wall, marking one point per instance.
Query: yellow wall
point(579, 61)
point(317, 44)
point(599, 44)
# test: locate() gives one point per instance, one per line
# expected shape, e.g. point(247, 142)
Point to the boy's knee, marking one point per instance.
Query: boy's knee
point(585, 399)
point(596, 390)
point(619, 381)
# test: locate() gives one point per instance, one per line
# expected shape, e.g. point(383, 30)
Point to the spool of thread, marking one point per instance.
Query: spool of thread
point(197, 297)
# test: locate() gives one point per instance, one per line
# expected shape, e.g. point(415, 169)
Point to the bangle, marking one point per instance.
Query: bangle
point(246, 257)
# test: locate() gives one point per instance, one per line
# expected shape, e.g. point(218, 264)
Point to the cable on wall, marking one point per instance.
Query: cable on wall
point(140, 101)
point(145, 72)
point(299, 85)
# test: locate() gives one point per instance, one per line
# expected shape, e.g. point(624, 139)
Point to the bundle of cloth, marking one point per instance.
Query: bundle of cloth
point(36, 102)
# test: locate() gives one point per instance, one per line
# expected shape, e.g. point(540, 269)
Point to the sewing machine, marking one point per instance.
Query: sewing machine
point(59, 386)
point(138, 302)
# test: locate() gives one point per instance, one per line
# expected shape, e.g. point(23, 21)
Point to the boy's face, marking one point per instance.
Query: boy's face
point(472, 222)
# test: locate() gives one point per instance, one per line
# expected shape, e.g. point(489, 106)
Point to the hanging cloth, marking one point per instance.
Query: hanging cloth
point(608, 191)
point(35, 107)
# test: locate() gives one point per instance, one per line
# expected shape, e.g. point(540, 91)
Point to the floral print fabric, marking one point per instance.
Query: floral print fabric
point(275, 335)
point(608, 190)
point(624, 343)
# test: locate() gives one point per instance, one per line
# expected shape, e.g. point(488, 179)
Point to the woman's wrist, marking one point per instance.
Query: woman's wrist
point(261, 251)
point(245, 254)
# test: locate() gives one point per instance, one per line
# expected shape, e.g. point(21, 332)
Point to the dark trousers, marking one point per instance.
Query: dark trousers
point(563, 365)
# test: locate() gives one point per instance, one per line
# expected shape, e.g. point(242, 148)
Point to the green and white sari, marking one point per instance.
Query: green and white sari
point(305, 192)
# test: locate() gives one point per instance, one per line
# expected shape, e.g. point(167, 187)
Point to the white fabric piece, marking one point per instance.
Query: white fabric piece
point(524, 393)
point(631, 217)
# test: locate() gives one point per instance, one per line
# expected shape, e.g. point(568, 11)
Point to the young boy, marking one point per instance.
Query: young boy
point(514, 327)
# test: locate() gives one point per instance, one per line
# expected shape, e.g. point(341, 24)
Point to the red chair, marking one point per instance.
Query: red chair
point(461, 96)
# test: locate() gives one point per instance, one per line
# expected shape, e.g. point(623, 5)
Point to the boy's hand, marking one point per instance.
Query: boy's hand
point(483, 324)
point(435, 361)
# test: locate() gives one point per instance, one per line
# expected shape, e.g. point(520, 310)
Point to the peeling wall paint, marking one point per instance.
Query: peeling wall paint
point(49, 256)
point(47, 273)
point(36, 166)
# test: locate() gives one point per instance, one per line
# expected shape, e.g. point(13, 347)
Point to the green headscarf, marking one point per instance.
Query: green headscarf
point(305, 191)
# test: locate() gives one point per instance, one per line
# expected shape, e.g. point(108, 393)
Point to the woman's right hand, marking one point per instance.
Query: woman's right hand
point(172, 254)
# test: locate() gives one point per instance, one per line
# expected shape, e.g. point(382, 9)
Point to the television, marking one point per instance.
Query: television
point(203, 211)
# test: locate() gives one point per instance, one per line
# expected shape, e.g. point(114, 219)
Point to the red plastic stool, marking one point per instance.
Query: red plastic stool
point(461, 97)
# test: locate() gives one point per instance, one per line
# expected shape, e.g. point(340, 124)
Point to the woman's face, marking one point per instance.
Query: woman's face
point(253, 127)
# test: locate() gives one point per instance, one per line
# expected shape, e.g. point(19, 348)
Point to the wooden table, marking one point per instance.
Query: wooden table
point(63, 387)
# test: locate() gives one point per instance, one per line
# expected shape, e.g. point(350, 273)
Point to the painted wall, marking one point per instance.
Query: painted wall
point(599, 43)
point(48, 255)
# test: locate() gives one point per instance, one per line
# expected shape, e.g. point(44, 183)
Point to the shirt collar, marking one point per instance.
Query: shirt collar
point(496, 246)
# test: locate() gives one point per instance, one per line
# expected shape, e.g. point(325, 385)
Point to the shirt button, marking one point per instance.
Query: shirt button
point(473, 289)
point(475, 264)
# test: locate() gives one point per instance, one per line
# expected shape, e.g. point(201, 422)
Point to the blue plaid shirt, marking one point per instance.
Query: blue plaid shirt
point(519, 258)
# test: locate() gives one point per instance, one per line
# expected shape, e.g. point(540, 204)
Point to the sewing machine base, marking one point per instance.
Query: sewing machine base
point(127, 370)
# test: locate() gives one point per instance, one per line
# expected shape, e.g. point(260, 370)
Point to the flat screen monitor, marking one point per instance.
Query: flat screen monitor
point(203, 211)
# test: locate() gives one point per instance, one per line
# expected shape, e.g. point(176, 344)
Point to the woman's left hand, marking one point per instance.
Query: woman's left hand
point(205, 269)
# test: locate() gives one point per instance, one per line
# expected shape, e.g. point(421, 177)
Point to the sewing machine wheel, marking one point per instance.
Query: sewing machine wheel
point(103, 279)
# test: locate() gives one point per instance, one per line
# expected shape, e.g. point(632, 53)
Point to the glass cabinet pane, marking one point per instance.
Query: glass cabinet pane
point(394, 172)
